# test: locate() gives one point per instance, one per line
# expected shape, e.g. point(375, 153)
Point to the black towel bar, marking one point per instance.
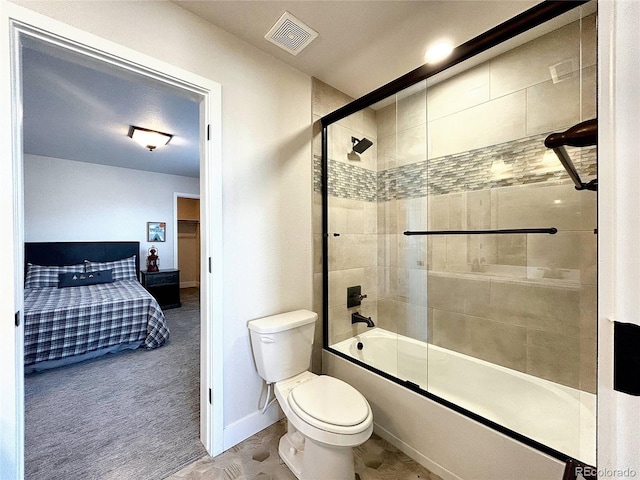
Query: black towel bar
point(508, 231)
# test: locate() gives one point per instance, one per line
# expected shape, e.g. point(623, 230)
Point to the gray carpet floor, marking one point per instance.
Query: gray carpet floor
point(131, 415)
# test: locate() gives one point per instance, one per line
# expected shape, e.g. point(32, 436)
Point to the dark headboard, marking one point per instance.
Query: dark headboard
point(70, 253)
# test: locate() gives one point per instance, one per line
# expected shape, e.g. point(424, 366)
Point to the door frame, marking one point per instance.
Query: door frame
point(16, 22)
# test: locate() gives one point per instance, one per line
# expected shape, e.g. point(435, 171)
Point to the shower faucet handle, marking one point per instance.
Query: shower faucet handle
point(354, 296)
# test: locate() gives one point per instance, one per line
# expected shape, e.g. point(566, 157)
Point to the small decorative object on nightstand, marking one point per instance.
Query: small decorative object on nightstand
point(164, 285)
point(153, 261)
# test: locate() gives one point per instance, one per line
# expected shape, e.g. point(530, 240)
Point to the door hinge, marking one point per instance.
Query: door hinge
point(209, 264)
point(208, 131)
point(210, 402)
point(17, 319)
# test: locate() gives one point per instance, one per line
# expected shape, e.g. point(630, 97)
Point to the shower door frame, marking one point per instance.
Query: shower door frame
point(531, 18)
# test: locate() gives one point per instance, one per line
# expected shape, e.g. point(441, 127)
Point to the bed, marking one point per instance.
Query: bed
point(83, 300)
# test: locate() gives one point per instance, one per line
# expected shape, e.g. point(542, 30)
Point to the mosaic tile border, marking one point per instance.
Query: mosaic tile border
point(466, 171)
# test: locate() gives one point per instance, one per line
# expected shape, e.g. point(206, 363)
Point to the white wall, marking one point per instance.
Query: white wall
point(266, 126)
point(68, 201)
point(618, 226)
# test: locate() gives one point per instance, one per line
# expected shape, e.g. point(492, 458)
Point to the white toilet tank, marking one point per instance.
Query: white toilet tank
point(282, 344)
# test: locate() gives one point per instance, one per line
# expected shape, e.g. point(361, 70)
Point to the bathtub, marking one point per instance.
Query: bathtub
point(553, 415)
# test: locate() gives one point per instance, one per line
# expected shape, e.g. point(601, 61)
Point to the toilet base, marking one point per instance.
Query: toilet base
point(309, 460)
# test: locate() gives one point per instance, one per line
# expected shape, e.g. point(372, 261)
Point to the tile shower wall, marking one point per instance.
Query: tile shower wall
point(525, 302)
point(352, 215)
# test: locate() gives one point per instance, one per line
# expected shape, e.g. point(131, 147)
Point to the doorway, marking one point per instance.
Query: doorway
point(187, 244)
point(25, 26)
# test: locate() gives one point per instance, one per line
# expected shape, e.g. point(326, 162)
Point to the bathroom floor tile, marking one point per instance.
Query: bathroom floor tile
point(257, 458)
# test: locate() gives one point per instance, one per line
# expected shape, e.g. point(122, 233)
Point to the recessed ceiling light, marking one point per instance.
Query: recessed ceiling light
point(438, 51)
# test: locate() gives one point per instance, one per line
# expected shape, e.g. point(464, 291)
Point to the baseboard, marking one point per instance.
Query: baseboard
point(191, 284)
point(411, 452)
point(250, 425)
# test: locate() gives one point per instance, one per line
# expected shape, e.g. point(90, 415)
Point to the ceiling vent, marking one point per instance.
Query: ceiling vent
point(290, 34)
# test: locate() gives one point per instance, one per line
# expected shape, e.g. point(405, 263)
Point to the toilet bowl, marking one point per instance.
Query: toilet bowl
point(326, 417)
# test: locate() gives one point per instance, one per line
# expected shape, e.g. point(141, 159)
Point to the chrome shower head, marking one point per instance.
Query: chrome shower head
point(360, 145)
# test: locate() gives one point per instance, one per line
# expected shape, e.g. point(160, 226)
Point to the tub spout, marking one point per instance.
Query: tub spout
point(357, 318)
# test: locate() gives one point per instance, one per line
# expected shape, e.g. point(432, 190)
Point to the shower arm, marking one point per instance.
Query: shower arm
point(583, 134)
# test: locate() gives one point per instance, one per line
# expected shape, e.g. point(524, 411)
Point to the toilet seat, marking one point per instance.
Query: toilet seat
point(331, 405)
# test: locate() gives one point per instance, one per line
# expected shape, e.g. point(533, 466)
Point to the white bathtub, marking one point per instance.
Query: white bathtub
point(554, 415)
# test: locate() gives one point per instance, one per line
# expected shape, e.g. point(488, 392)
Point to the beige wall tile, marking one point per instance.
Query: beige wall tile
point(555, 251)
point(459, 295)
point(439, 212)
point(588, 210)
point(511, 250)
point(457, 253)
point(458, 93)
point(387, 152)
point(386, 120)
point(411, 110)
point(565, 98)
point(354, 122)
point(387, 283)
point(529, 64)
point(317, 212)
point(316, 356)
point(339, 281)
point(482, 250)
point(388, 217)
point(499, 343)
point(411, 145)
point(539, 206)
point(339, 324)
point(588, 364)
point(317, 137)
point(326, 99)
point(388, 250)
point(338, 219)
point(416, 322)
point(370, 127)
point(412, 252)
point(493, 122)
point(412, 214)
point(339, 142)
point(552, 309)
point(588, 39)
point(588, 258)
point(554, 357)
point(589, 93)
point(588, 311)
point(317, 253)
point(388, 313)
point(437, 253)
point(412, 286)
point(370, 213)
point(478, 210)
point(452, 330)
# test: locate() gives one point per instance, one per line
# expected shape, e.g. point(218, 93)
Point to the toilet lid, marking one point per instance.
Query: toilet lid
point(331, 401)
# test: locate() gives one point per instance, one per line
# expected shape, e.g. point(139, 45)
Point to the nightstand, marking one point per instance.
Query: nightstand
point(164, 285)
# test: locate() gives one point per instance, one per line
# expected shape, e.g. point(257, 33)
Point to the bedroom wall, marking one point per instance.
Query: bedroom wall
point(267, 181)
point(63, 202)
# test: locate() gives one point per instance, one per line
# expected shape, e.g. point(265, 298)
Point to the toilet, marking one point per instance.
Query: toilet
point(326, 417)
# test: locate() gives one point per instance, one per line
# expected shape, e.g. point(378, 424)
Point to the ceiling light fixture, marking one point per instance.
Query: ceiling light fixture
point(150, 139)
point(438, 51)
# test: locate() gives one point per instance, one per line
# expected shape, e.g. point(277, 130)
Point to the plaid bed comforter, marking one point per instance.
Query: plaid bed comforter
point(61, 322)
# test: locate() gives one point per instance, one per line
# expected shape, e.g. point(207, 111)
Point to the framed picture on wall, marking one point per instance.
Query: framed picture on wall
point(156, 231)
